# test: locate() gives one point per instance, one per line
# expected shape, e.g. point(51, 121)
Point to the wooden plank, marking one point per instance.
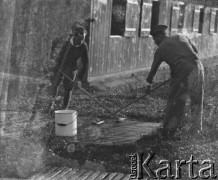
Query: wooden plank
point(86, 175)
point(46, 174)
point(126, 177)
point(93, 176)
point(91, 41)
point(35, 176)
point(111, 176)
point(68, 175)
point(101, 176)
point(119, 176)
point(62, 174)
point(55, 173)
point(77, 175)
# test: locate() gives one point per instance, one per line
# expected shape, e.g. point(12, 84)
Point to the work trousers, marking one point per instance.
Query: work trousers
point(191, 86)
point(68, 86)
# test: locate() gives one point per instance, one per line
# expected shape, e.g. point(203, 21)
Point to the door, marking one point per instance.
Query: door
point(99, 36)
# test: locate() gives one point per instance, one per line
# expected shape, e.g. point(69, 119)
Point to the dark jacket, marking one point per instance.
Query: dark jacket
point(179, 53)
point(73, 58)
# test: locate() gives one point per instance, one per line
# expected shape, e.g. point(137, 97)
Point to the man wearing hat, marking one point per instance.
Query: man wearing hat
point(187, 77)
point(72, 62)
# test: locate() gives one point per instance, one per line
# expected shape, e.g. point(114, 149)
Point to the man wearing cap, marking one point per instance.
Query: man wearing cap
point(74, 50)
point(187, 77)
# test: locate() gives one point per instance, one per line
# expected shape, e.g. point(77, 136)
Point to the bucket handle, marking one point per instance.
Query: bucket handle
point(61, 124)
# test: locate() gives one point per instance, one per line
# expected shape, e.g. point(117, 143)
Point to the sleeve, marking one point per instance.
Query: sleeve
point(61, 56)
point(192, 45)
point(83, 73)
point(154, 67)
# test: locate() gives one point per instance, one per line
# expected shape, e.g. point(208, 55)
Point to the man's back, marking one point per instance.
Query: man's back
point(178, 52)
point(175, 48)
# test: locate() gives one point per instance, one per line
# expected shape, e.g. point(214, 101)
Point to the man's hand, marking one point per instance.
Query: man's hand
point(148, 87)
point(74, 82)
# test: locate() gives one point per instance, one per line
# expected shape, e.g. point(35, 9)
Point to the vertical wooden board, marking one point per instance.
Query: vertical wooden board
point(115, 50)
point(146, 47)
point(127, 53)
point(108, 66)
point(142, 53)
point(188, 18)
point(99, 36)
point(138, 51)
point(96, 38)
point(92, 40)
point(111, 55)
point(130, 51)
point(115, 60)
point(102, 40)
point(118, 54)
point(124, 60)
point(106, 32)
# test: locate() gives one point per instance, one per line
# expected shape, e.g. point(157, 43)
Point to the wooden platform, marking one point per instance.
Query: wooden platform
point(116, 133)
point(75, 174)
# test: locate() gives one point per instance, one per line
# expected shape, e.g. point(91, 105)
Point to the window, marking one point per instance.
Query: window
point(201, 20)
point(216, 22)
point(212, 21)
point(146, 18)
point(196, 21)
point(125, 17)
point(118, 17)
point(175, 9)
point(189, 18)
point(132, 17)
point(181, 16)
point(155, 13)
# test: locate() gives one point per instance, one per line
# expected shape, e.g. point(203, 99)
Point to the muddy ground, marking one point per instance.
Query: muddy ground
point(30, 143)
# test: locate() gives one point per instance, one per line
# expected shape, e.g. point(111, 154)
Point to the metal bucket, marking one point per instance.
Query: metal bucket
point(66, 123)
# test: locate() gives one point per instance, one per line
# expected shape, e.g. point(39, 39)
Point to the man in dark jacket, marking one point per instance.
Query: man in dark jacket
point(187, 77)
point(72, 62)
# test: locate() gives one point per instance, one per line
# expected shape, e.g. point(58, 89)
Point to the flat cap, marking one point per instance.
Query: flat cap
point(158, 28)
point(79, 30)
point(75, 29)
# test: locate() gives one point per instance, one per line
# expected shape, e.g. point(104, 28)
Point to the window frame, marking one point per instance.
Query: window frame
point(174, 17)
point(145, 24)
point(213, 15)
point(130, 29)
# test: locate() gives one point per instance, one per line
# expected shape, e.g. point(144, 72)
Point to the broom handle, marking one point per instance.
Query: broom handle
point(113, 113)
point(85, 92)
point(140, 97)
